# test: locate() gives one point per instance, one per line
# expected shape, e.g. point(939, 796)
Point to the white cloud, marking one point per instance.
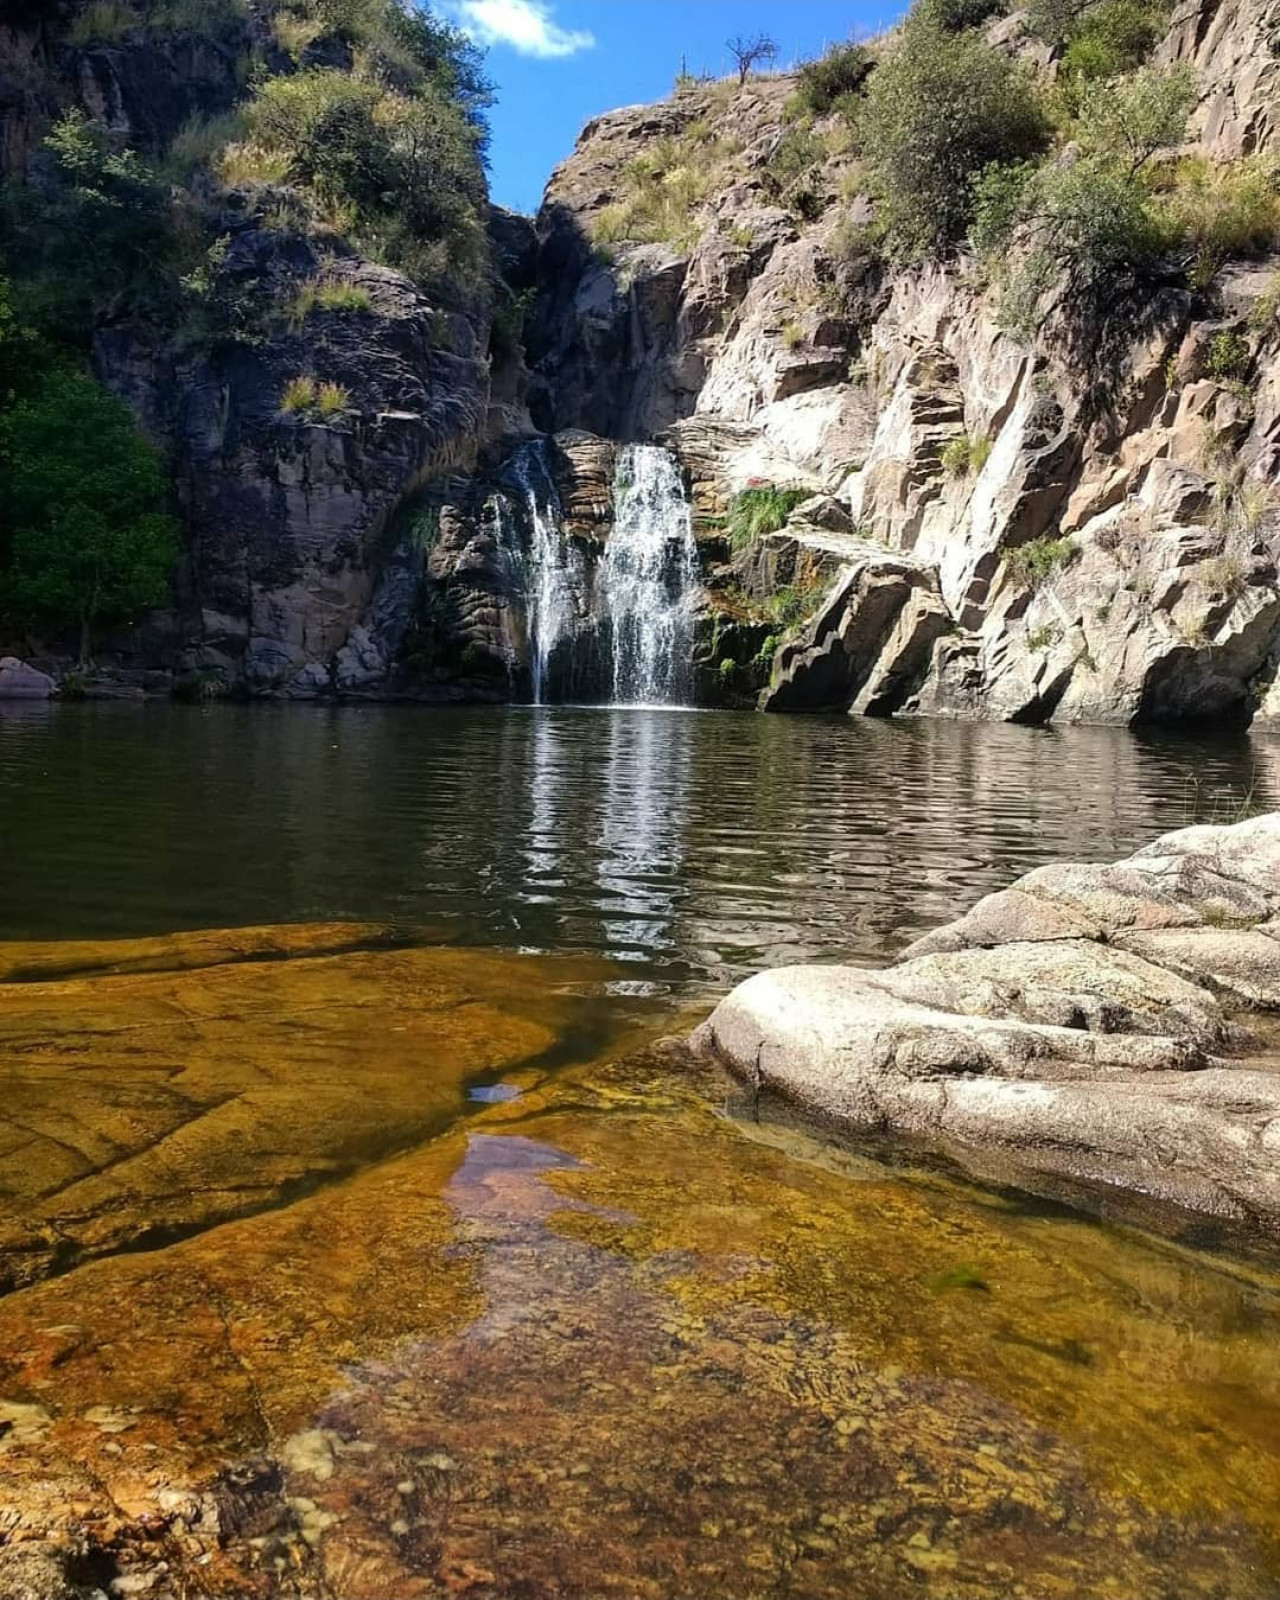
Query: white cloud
point(525, 25)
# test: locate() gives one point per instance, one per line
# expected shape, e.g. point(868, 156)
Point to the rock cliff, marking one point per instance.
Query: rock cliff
point(302, 554)
point(1008, 539)
point(983, 522)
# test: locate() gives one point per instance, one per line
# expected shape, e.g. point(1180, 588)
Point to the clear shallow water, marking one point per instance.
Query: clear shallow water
point(423, 1272)
point(698, 846)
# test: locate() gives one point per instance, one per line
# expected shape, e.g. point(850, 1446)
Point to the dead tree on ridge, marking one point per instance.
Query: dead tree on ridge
point(748, 53)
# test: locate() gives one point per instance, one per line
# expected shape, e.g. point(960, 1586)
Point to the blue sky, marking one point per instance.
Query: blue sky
point(558, 63)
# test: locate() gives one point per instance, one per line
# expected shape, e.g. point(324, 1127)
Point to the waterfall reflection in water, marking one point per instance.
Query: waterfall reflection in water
point(713, 843)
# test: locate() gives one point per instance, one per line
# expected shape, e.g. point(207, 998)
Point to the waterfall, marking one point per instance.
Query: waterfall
point(648, 580)
point(553, 567)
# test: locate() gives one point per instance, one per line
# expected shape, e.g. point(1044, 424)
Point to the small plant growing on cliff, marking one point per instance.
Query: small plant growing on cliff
point(1041, 638)
point(332, 400)
point(795, 602)
point(1226, 574)
point(966, 455)
point(304, 397)
point(329, 294)
point(1265, 311)
point(767, 651)
point(299, 396)
point(759, 509)
point(1227, 358)
point(792, 335)
point(1037, 561)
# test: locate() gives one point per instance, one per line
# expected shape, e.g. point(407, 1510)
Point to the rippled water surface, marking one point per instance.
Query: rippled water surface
point(359, 1242)
point(701, 844)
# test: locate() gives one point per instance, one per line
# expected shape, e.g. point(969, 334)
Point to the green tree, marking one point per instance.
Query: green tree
point(82, 496)
point(1124, 122)
point(1089, 223)
point(938, 112)
point(956, 15)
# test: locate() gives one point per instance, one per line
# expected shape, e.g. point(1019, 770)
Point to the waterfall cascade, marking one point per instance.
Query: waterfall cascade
point(553, 568)
point(623, 623)
point(648, 580)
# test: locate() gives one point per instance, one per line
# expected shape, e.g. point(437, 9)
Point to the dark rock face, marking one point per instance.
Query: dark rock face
point(290, 515)
point(471, 634)
point(298, 576)
point(609, 357)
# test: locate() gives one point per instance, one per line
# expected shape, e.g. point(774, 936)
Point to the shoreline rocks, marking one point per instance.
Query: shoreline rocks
point(18, 681)
point(1084, 1024)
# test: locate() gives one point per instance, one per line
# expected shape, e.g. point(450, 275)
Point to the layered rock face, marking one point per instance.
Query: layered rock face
point(1023, 551)
point(1101, 1025)
point(989, 534)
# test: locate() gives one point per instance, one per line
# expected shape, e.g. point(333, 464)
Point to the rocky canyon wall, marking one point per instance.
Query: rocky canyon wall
point(981, 525)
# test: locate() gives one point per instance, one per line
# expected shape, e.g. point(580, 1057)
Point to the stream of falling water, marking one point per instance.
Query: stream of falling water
point(648, 580)
point(555, 577)
point(645, 588)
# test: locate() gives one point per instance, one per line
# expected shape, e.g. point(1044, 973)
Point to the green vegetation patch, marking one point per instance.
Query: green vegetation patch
point(85, 534)
point(939, 111)
point(760, 509)
point(663, 189)
point(1039, 560)
point(826, 85)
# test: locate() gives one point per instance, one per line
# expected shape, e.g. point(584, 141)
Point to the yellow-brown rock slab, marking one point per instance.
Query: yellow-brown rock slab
point(192, 1079)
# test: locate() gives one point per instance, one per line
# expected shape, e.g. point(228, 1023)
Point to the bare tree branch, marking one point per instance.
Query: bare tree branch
point(747, 53)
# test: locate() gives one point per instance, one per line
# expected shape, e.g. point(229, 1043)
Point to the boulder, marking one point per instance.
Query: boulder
point(18, 681)
point(1081, 1025)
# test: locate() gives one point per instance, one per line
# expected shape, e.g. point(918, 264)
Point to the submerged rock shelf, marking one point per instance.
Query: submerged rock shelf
point(1083, 1022)
point(594, 1336)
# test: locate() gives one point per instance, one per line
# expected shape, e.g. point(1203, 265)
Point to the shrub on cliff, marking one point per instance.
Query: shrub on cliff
point(955, 16)
point(1216, 210)
point(1089, 224)
point(821, 85)
point(398, 172)
point(938, 112)
point(1109, 39)
point(82, 500)
point(100, 227)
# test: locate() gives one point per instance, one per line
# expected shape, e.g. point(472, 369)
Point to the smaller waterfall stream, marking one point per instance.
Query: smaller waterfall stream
point(554, 572)
point(648, 580)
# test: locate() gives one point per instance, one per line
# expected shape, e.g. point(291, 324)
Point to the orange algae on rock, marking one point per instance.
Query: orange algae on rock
point(595, 1340)
point(136, 1106)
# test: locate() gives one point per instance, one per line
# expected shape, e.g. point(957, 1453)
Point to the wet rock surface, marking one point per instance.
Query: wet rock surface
point(1084, 1023)
point(592, 1335)
point(203, 1077)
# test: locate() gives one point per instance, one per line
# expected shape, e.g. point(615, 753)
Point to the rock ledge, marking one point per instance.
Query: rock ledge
point(1098, 1024)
